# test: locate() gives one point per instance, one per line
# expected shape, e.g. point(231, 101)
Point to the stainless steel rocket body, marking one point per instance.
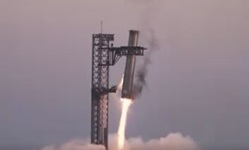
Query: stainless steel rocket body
point(130, 67)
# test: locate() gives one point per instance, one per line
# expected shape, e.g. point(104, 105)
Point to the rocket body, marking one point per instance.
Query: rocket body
point(127, 89)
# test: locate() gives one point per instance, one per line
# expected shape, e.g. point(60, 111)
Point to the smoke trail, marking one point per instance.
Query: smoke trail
point(150, 40)
point(142, 71)
point(174, 141)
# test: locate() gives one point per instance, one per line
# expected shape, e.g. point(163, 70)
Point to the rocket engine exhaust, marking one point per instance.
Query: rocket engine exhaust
point(127, 89)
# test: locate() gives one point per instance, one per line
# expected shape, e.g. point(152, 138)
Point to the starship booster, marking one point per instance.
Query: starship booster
point(127, 88)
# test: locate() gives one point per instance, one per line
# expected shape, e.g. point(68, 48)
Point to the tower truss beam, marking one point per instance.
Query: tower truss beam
point(100, 81)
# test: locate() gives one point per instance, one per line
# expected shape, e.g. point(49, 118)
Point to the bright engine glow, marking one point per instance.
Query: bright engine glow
point(121, 130)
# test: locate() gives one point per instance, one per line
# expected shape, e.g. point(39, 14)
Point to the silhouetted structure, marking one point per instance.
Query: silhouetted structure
point(103, 56)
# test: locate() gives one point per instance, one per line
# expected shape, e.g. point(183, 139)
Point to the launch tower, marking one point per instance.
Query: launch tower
point(103, 56)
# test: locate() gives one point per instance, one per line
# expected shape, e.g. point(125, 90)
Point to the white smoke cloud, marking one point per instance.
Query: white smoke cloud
point(75, 145)
point(174, 141)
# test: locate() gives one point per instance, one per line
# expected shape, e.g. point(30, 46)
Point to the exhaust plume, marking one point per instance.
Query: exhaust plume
point(121, 130)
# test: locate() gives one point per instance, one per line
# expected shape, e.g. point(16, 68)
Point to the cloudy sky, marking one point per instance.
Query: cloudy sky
point(197, 84)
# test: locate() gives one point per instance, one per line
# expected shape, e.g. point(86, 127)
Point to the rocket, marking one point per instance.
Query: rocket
point(127, 89)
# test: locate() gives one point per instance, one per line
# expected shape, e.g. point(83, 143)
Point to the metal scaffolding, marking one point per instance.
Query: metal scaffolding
point(103, 56)
point(100, 82)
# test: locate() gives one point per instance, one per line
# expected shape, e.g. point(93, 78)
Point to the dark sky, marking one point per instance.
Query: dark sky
point(197, 84)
